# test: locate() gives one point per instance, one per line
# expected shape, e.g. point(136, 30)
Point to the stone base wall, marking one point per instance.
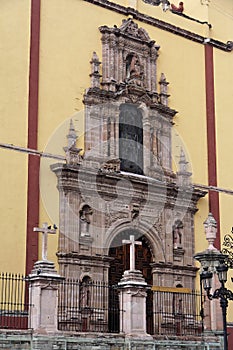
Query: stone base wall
point(25, 340)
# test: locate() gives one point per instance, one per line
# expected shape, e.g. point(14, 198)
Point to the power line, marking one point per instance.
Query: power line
point(31, 151)
point(59, 157)
point(214, 188)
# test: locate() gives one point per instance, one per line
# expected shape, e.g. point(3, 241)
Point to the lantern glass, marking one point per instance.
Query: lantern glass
point(222, 273)
point(206, 278)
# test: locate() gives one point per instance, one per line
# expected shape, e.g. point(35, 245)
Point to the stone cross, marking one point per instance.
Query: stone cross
point(132, 243)
point(45, 230)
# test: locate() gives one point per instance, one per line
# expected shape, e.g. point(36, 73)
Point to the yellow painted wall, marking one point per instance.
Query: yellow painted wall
point(221, 17)
point(69, 35)
point(224, 98)
point(14, 59)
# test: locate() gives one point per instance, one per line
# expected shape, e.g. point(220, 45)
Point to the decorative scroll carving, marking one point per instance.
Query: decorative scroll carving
point(131, 28)
point(111, 166)
point(111, 217)
point(135, 209)
point(228, 248)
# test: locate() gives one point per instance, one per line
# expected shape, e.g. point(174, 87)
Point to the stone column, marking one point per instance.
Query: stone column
point(132, 289)
point(43, 297)
point(146, 137)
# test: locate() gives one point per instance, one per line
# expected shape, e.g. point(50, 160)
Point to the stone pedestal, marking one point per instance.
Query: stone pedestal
point(43, 297)
point(133, 294)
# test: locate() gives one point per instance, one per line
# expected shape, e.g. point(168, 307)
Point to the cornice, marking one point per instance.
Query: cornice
point(69, 257)
point(227, 47)
point(167, 268)
point(97, 96)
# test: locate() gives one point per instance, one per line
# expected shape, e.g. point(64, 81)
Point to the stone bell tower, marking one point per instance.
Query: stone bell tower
point(124, 183)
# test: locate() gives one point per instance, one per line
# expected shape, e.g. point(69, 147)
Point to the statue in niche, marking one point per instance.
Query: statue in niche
point(85, 220)
point(134, 72)
point(177, 234)
point(85, 292)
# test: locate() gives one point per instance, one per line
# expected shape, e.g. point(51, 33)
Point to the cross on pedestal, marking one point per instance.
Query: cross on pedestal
point(45, 230)
point(132, 243)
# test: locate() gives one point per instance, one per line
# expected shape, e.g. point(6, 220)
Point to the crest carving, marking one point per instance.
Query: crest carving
point(132, 56)
point(130, 28)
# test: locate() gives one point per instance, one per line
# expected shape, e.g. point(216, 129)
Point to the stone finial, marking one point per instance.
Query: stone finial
point(95, 71)
point(163, 79)
point(72, 152)
point(71, 136)
point(210, 225)
point(182, 162)
point(183, 173)
point(163, 90)
point(95, 63)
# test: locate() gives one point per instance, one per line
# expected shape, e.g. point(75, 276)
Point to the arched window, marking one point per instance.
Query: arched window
point(131, 139)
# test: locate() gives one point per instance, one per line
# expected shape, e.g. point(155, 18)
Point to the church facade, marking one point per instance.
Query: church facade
point(124, 184)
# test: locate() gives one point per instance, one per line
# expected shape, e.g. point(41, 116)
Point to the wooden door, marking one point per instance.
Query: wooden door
point(143, 259)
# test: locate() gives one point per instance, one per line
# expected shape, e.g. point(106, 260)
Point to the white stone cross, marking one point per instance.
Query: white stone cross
point(132, 243)
point(45, 230)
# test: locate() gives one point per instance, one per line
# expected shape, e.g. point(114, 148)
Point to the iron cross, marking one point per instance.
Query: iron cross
point(45, 230)
point(132, 243)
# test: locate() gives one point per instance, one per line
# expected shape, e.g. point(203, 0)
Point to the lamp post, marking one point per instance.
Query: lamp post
point(213, 261)
point(222, 293)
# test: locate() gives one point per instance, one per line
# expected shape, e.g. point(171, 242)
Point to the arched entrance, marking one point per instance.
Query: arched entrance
point(120, 262)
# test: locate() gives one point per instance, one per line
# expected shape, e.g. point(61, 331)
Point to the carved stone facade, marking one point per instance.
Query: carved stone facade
point(124, 182)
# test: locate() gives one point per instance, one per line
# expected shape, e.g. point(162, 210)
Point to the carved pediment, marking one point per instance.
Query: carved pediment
point(129, 27)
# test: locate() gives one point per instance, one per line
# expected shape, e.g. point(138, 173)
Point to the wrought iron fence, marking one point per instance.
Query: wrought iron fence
point(88, 306)
point(177, 313)
point(13, 301)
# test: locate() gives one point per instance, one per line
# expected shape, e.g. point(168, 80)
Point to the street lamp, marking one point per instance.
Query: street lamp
point(213, 261)
point(222, 293)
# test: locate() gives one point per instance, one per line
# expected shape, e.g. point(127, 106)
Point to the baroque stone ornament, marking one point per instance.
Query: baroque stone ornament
point(130, 49)
point(210, 225)
point(129, 27)
point(124, 184)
